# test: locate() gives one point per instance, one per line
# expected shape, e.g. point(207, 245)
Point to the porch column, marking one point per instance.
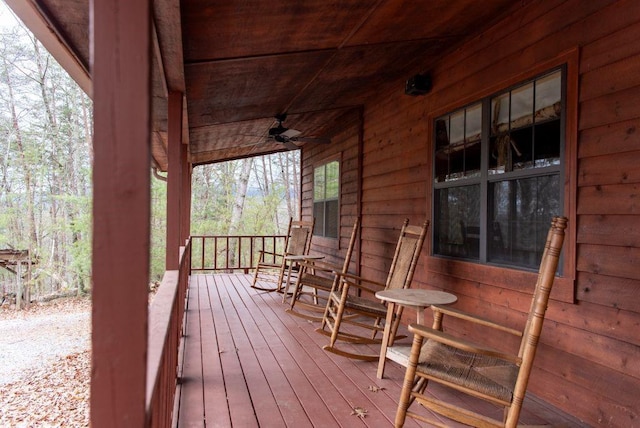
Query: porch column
point(174, 180)
point(185, 205)
point(121, 74)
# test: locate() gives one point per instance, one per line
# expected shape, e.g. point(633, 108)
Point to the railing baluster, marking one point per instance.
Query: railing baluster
point(203, 239)
point(215, 252)
point(270, 243)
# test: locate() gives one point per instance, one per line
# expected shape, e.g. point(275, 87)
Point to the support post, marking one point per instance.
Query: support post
point(185, 205)
point(121, 74)
point(174, 181)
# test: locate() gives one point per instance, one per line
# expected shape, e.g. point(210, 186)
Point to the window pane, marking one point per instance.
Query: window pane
point(472, 159)
point(548, 97)
point(442, 152)
point(500, 141)
point(318, 213)
point(520, 149)
point(333, 180)
point(473, 123)
point(456, 127)
point(457, 218)
point(547, 143)
point(331, 219)
point(522, 106)
point(442, 132)
point(520, 212)
point(500, 114)
point(318, 183)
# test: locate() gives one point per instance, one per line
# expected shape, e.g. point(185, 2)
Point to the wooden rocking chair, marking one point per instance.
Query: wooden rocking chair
point(272, 266)
point(477, 370)
point(342, 305)
point(315, 281)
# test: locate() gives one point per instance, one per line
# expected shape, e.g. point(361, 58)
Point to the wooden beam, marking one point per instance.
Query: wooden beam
point(169, 33)
point(121, 58)
point(174, 180)
point(39, 24)
point(185, 201)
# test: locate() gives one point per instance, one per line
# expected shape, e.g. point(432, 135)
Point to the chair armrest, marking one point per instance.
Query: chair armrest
point(349, 280)
point(456, 313)
point(358, 279)
point(462, 344)
point(321, 266)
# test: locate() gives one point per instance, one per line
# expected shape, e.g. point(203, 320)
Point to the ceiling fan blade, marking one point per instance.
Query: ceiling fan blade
point(318, 140)
point(290, 133)
point(290, 145)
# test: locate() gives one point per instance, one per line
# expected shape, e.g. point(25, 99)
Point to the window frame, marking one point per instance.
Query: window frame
point(493, 273)
point(319, 164)
point(484, 179)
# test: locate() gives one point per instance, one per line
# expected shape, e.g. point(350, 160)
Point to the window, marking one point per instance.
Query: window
point(498, 174)
point(326, 191)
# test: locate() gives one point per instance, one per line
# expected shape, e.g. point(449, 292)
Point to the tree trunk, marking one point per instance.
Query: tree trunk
point(238, 206)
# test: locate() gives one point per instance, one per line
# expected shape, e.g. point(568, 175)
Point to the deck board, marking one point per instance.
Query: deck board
point(249, 363)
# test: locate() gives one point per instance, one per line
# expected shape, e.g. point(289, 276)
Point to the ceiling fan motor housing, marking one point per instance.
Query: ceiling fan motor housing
point(277, 130)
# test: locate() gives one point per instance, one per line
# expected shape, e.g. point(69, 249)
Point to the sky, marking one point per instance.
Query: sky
point(7, 18)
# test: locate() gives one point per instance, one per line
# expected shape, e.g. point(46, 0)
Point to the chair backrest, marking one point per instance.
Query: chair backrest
point(539, 302)
point(406, 256)
point(299, 236)
point(352, 244)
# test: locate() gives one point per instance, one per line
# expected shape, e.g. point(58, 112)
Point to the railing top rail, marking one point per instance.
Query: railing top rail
point(238, 236)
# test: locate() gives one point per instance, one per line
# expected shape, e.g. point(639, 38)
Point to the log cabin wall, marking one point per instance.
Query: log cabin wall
point(346, 148)
point(587, 360)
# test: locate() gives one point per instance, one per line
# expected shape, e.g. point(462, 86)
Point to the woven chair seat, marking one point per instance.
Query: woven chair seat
point(369, 305)
point(490, 375)
point(318, 282)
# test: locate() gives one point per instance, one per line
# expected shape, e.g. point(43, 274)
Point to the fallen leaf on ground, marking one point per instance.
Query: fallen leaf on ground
point(359, 412)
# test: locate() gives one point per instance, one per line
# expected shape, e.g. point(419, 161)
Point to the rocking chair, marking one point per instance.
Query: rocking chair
point(344, 307)
point(477, 370)
point(272, 266)
point(315, 281)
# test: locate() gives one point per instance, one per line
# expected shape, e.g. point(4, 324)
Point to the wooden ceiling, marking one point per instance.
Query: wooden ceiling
point(240, 63)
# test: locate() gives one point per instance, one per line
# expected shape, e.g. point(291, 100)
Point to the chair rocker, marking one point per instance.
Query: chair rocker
point(498, 377)
point(347, 306)
point(315, 281)
point(272, 266)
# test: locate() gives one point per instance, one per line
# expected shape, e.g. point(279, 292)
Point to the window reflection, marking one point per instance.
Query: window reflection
point(458, 144)
point(497, 175)
point(458, 222)
point(519, 217)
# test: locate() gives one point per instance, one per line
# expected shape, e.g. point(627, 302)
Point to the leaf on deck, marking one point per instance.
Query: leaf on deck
point(359, 412)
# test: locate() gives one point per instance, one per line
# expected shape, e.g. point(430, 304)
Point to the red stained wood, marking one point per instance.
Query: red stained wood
point(274, 360)
point(608, 260)
point(175, 197)
point(121, 76)
point(609, 199)
point(191, 409)
point(612, 138)
point(611, 291)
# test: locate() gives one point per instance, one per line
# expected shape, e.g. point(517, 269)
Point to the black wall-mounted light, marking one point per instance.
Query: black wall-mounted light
point(420, 84)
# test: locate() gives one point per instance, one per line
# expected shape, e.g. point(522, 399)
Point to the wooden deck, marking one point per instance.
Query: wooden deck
point(247, 363)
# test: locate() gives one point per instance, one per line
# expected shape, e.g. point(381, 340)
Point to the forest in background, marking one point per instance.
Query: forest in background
point(45, 176)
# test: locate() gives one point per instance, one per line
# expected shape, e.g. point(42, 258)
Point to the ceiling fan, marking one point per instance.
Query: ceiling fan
point(288, 137)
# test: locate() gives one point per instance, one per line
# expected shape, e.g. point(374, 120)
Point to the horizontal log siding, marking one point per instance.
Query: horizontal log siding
point(588, 350)
point(344, 144)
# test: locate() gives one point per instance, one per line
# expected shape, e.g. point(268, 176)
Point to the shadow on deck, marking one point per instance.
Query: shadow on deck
point(247, 363)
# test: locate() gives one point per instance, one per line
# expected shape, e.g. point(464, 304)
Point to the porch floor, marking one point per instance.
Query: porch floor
point(247, 363)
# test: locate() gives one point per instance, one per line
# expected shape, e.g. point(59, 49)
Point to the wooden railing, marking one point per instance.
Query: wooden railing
point(167, 311)
point(230, 253)
point(166, 318)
